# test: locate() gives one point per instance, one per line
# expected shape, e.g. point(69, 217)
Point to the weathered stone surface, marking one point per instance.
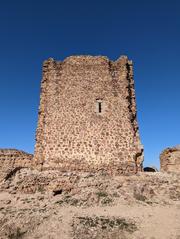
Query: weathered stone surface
point(170, 159)
point(11, 159)
point(87, 116)
point(88, 189)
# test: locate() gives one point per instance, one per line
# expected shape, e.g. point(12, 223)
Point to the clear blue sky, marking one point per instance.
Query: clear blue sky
point(147, 31)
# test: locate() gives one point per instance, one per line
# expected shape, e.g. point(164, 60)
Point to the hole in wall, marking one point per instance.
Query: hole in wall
point(57, 192)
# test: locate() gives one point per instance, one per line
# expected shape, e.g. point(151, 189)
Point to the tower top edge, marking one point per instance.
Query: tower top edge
point(88, 59)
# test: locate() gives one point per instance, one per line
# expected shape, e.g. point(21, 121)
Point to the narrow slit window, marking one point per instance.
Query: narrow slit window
point(99, 106)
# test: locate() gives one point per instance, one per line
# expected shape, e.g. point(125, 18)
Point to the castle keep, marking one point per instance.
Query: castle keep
point(87, 116)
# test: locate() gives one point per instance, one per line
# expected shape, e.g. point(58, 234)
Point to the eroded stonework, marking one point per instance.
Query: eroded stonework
point(13, 158)
point(87, 116)
point(170, 159)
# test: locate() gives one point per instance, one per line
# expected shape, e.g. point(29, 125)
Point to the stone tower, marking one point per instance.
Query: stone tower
point(87, 116)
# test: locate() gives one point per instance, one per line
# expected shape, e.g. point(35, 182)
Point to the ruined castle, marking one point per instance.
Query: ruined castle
point(87, 116)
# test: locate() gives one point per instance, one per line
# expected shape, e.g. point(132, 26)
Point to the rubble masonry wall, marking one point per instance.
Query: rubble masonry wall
point(72, 133)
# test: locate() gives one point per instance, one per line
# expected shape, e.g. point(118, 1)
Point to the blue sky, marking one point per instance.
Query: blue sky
point(147, 31)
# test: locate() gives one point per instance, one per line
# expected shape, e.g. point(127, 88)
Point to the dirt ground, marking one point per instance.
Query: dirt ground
point(51, 205)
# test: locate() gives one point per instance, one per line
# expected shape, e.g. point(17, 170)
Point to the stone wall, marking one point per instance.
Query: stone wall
point(11, 159)
point(170, 159)
point(87, 116)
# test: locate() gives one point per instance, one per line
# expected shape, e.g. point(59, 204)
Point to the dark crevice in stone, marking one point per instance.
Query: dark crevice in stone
point(57, 192)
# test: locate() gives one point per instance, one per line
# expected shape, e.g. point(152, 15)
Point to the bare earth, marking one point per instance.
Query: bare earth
point(53, 205)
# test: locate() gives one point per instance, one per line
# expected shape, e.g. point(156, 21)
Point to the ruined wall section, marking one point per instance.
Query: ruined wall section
point(71, 135)
point(139, 156)
point(170, 159)
point(48, 98)
point(11, 159)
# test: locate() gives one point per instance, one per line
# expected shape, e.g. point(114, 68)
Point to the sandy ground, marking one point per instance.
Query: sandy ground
point(99, 210)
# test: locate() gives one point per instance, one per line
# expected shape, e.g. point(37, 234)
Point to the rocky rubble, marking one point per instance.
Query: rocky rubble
point(57, 205)
point(88, 189)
